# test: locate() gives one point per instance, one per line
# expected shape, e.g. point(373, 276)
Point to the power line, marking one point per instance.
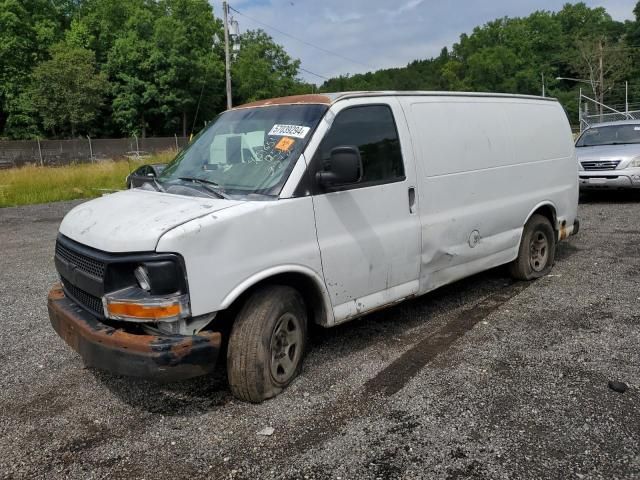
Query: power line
point(312, 73)
point(304, 41)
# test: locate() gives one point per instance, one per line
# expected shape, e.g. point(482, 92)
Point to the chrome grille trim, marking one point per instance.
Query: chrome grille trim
point(600, 165)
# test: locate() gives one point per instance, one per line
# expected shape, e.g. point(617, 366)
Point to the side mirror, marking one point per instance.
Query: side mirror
point(343, 167)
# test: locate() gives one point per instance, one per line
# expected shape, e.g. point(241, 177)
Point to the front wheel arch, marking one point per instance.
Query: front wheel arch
point(308, 284)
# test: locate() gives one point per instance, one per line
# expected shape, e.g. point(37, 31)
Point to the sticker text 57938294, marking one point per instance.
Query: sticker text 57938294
point(296, 131)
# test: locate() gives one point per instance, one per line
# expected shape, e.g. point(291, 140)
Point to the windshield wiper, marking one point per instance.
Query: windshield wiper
point(208, 185)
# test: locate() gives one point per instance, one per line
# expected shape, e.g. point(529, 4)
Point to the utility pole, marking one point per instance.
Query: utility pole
point(626, 99)
point(227, 55)
point(580, 109)
point(543, 89)
point(601, 78)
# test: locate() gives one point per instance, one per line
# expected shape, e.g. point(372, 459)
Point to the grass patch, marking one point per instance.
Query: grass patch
point(31, 184)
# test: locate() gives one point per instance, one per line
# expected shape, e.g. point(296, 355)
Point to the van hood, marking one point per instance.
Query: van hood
point(134, 220)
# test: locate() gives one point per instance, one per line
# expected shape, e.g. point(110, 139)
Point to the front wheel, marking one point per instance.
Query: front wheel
point(267, 343)
point(537, 250)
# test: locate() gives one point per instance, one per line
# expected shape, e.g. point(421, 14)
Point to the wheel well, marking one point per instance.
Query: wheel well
point(307, 287)
point(550, 213)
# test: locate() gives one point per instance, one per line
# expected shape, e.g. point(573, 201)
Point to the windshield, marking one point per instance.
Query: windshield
point(244, 152)
point(610, 135)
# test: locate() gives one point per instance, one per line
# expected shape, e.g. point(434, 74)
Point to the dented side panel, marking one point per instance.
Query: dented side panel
point(485, 165)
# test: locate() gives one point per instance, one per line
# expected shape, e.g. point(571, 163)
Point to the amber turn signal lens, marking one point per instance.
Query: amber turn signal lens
point(148, 312)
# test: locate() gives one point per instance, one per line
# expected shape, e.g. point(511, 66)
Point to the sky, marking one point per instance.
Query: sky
point(366, 35)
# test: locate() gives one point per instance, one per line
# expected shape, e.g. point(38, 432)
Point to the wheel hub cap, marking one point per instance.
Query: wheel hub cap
point(539, 251)
point(286, 343)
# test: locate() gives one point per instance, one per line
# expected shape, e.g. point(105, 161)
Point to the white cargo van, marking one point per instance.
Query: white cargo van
point(310, 209)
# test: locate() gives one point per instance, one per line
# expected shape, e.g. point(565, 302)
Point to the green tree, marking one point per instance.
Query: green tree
point(163, 67)
point(189, 73)
point(67, 90)
point(263, 69)
point(132, 73)
point(27, 29)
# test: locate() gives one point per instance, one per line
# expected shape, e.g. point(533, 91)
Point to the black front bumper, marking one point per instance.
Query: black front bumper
point(161, 357)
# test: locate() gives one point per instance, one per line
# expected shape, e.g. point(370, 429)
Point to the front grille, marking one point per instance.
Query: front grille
point(82, 262)
point(84, 299)
point(600, 165)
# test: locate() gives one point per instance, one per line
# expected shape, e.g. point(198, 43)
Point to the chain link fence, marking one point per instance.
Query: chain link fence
point(593, 112)
point(594, 118)
point(64, 152)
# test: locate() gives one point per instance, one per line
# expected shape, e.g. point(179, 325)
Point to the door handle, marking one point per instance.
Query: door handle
point(412, 200)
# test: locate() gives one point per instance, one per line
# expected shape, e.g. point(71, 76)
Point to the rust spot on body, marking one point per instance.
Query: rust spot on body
point(100, 344)
point(291, 100)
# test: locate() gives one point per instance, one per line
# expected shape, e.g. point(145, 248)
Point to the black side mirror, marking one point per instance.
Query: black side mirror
point(343, 167)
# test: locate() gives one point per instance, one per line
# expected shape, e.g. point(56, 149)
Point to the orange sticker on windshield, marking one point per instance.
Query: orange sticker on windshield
point(285, 144)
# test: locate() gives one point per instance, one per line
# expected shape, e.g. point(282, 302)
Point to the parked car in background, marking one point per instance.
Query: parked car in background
point(144, 174)
point(314, 209)
point(609, 155)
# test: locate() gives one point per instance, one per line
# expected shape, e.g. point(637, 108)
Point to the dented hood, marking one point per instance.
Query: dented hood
point(134, 220)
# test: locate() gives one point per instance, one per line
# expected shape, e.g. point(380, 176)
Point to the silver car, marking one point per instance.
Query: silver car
point(609, 155)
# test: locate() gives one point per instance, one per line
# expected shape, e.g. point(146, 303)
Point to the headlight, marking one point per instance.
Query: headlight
point(142, 276)
point(148, 291)
point(134, 304)
point(635, 163)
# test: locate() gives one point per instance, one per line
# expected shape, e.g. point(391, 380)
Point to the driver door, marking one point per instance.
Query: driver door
point(369, 231)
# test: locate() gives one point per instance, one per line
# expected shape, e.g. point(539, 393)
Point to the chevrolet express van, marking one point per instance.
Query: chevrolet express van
point(313, 209)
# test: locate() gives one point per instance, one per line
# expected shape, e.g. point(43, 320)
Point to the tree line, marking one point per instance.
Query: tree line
point(511, 55)
point(124, 67)
point(154, 67)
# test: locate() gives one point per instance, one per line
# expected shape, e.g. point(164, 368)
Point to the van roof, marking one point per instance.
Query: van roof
point(331, 98)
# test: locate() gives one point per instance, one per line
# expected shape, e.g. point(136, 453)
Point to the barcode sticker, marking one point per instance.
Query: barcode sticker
point(289, 131)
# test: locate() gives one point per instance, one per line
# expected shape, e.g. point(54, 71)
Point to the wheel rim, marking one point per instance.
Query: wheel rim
point(539, 251)
point(286, 347)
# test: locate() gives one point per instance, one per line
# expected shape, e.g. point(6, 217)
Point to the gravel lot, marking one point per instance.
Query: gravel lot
point(485, 378)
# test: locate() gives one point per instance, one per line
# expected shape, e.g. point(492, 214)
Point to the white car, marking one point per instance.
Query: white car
point(310, 209)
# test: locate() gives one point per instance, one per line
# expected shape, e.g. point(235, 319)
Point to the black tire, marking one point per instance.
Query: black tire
point(267, 343)
point(537, 250)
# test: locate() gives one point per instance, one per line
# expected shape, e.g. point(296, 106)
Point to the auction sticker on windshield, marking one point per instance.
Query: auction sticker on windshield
point(297, 131)
point(285, 144)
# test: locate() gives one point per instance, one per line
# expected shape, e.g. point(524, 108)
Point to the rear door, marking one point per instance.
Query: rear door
point(369, 232)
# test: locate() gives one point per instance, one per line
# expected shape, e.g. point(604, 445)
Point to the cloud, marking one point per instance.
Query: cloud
point(410, 5)
point(377, 35)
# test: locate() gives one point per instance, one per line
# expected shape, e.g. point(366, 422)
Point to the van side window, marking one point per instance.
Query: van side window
point(372, 129)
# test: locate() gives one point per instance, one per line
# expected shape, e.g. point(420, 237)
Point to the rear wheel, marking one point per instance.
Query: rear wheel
point(267, 343)
point(537, 250)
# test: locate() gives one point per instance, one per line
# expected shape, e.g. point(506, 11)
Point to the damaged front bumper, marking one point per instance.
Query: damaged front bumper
point(161, 357)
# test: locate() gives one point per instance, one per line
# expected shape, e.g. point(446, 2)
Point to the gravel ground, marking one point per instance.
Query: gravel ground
point(485, 378)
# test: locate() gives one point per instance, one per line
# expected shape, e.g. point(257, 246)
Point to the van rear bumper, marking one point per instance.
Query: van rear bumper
point(161, 357)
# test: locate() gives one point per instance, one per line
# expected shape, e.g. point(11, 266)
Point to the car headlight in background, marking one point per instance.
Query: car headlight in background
point(635, 163)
